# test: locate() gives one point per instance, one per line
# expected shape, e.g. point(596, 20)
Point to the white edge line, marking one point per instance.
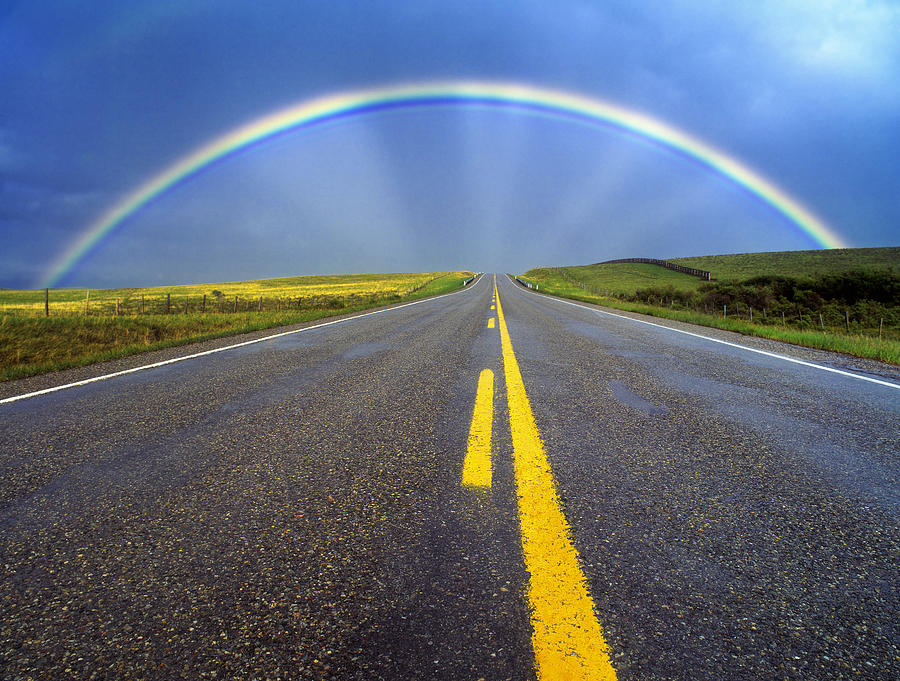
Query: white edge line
point(889, 384)
point(23, 396)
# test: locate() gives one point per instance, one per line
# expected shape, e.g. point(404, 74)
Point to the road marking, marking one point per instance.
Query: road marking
point(567, 638)
point(477, 466)
point(493, 307)
point(491, 323)
point(104, 377)
point(775, 355)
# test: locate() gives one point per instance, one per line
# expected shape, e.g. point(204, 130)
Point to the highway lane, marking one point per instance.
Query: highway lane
point(736, 514)
point(295, 507)
point(289, 508)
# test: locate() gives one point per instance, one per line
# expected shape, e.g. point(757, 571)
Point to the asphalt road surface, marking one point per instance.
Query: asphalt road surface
point(647, 504)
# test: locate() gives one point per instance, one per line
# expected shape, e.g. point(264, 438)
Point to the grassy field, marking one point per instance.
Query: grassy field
point(338, 290)
point(622, 279)
point(614, 280)
point(796, 263)
point(737, 301)
point(31, 343)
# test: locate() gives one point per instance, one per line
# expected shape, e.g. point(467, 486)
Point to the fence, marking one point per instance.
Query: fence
point(136, 302)
point(580, 284)
point(828, 318)
point(168, 304)
point(702, 274)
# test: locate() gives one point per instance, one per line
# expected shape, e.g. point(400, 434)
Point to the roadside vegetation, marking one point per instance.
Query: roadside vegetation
point(845, 300)
point(84, 326)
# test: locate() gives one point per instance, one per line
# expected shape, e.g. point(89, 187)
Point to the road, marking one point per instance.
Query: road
point(295, 508)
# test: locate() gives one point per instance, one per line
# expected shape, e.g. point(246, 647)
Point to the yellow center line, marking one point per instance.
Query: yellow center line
point(567, 637)
point(477, 466)
point(491, 323)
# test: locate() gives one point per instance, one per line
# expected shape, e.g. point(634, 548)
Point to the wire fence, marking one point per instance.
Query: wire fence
point(99, 303)
point(828, 318)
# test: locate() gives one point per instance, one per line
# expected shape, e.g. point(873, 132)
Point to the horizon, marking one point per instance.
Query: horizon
point(457, 269)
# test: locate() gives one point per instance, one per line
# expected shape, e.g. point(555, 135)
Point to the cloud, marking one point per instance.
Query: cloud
point(839, 37)
point(804, 91)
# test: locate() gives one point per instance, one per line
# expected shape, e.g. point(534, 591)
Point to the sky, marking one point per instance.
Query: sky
point(99, 97)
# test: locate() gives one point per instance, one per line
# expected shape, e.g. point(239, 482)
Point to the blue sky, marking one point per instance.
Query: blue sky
point(99, 96)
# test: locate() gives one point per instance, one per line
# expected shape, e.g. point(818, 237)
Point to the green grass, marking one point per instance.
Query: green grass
point(627, 286)
point(31, 344)
point(860, 345)
point(622, 279)
point(794, 263)
point(618, 279)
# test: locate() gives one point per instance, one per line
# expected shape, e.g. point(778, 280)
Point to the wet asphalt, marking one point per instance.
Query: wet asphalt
point(293, 508)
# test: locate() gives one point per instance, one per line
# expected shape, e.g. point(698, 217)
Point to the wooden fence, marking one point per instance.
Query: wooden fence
point(702, 274)
point(168, 304)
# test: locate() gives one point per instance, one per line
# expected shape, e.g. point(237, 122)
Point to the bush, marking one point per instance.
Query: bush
point(866, 296)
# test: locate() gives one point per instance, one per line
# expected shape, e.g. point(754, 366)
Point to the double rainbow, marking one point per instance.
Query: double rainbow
point(510, 95)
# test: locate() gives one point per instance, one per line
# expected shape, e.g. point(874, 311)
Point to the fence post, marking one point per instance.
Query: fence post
point(203, 309)
point(168, 303)
point(821, 323)
point(724, 311)
point(117, 307)
point(87, 298)
point(142, 304)
point(259, 308)
point(235, 302)
point(880, 327)
point(847, 319)
point(46, 302)
point(751, 313)
point(782, 318)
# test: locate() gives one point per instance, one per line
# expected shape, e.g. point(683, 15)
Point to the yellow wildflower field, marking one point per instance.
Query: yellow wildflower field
point(328, 291)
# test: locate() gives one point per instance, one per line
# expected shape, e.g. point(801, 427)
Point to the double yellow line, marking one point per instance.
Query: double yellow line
point(567, 638)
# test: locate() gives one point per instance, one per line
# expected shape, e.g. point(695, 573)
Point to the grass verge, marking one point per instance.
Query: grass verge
point(858, 345)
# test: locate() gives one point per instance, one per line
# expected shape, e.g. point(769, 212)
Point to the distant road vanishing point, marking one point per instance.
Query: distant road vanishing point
point(489, 484)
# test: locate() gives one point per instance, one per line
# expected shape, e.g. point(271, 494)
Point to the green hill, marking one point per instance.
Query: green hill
point(795, 263)
point(624, 279)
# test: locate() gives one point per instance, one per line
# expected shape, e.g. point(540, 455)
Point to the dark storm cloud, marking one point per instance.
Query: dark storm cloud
point(99, 96)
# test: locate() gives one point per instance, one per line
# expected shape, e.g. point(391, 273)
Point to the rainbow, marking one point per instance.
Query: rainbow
point(319, 110)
